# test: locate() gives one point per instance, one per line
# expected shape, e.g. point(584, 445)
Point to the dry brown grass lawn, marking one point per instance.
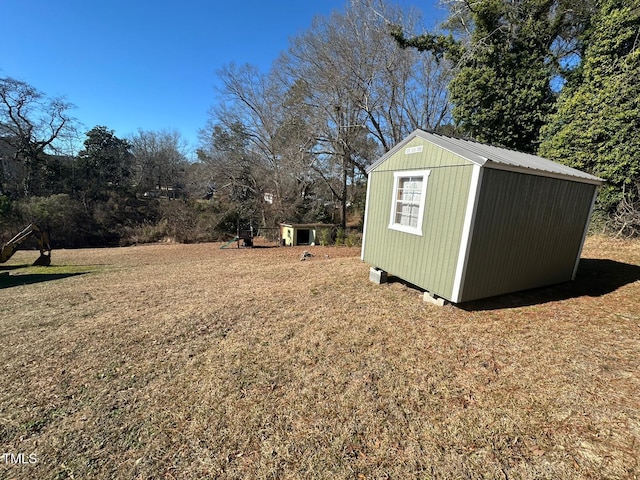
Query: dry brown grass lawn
point(187, 361)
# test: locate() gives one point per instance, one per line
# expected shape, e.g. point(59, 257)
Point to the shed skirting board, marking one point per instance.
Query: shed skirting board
point(467, 229)
point(584, 235)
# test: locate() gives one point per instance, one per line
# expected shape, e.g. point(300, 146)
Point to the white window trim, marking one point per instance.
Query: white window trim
point(423, 195)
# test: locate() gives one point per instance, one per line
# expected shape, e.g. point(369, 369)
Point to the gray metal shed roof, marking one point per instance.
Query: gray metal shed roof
point(495, 157)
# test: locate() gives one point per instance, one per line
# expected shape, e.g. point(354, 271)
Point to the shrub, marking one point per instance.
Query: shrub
point(65, 218)
point(354, 238)
point(8, 218)
point(189, 221)
point(625, 221)
point(325, 236)
point(145, 232)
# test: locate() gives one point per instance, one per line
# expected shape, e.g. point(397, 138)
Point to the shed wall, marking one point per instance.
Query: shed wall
point(528, 233)
point(431, 156)
point(428, 261)
point(290, 234)
point(287, 235)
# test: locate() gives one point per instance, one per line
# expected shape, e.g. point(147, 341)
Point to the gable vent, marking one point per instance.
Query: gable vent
point(410, 150)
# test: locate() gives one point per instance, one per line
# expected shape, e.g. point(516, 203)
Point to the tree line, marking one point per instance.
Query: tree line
point(552, 77)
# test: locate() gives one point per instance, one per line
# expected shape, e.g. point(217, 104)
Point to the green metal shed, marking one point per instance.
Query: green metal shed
point(465, 221)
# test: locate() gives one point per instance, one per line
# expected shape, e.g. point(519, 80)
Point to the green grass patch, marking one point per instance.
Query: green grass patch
point(63, 269)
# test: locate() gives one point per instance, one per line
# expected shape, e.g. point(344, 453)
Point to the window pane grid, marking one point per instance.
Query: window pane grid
point(408, 198)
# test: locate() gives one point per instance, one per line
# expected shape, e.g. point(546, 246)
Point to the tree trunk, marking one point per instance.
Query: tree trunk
point(343, 196)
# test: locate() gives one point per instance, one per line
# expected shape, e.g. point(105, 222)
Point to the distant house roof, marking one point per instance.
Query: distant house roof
point(496, 157)
point(306, 225)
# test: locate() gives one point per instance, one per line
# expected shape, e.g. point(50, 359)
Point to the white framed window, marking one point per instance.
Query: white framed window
point(409, 194)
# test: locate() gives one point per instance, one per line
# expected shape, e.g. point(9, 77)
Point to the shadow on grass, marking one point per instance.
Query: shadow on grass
point(595, 278)
point(8, 281)
point(13, 267)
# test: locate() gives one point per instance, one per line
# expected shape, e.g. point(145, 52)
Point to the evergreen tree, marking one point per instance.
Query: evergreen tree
point(502, 93)
point(507, 54)
point(106, 160)
point(596, 125)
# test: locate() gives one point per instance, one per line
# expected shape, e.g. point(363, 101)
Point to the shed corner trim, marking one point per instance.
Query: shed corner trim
point(467, 231)
point(366, 211)
point(584, 234)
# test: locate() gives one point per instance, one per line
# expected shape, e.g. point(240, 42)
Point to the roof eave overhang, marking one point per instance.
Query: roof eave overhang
point(391, 152)
point(441, 143)
point(542, 173)
point(483, 161)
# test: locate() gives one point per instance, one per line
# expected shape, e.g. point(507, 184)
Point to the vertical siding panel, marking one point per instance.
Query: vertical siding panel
point(446, 224)
point(527, 233)
point(428, 261)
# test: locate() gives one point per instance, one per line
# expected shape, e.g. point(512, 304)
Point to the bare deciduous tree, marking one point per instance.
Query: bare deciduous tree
point(159, 160)
point(364, 93)
point(343, 94)
point(270, 146)
point(31, 125)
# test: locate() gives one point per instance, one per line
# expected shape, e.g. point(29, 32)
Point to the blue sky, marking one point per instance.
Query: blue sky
point(137, 64)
